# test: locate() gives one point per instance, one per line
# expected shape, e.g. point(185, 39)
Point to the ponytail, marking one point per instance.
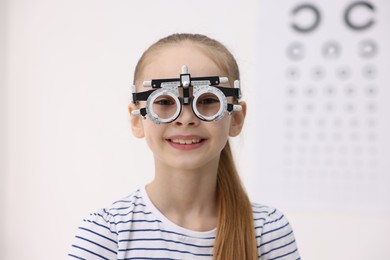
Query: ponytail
point(235, 229)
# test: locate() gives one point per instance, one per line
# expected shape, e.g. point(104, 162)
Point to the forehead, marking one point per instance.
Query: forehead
point(167, 62)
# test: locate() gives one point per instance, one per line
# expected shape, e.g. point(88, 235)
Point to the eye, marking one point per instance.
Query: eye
point(210, 100)
point(164, 102)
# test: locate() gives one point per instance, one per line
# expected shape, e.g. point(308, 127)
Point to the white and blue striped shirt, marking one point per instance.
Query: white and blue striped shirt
point(133, 228)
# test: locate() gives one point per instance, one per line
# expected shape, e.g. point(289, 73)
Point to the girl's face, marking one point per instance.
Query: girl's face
point(187, 143)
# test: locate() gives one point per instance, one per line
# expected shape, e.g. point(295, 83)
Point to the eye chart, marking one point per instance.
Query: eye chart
point(322, 104)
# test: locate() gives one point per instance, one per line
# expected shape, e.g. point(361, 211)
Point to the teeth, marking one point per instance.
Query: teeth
point(185, 141)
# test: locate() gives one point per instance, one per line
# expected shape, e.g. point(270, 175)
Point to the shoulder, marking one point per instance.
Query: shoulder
point(274, 234)
point(265, 215)
point(118, 210)
point(269, 221)
point(97, 235)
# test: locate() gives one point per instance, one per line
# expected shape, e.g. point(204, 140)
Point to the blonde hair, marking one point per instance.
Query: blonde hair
point(235, 237)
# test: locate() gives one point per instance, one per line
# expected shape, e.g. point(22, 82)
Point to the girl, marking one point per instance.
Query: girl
point(196, 207)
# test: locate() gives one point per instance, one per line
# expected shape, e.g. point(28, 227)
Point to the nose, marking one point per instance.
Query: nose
point(186, 117)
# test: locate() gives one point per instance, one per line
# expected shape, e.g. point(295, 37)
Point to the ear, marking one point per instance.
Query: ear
point(136, 122)
point(237, 120)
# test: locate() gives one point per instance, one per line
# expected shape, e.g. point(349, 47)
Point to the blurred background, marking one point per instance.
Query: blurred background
point(316, 144)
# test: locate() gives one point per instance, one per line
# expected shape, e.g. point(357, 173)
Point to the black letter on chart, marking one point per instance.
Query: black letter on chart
point(310, 27)
point(349, 10)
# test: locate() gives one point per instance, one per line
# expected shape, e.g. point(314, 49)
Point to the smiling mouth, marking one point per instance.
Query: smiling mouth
point(186, 141)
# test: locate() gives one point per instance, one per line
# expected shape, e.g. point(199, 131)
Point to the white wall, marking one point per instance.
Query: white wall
point(69, 149)
point(3, 14)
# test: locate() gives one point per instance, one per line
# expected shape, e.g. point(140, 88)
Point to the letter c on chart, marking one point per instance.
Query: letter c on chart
point(311, 25)
point(352, 24)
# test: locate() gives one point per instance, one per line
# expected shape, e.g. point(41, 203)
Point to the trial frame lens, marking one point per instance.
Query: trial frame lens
point(163, 105)
point(209, 103)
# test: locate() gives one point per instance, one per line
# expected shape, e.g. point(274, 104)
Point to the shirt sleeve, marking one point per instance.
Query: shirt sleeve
point(96, 238)
point(277, 238)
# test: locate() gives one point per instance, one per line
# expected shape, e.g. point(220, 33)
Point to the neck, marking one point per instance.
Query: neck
point(186, 197)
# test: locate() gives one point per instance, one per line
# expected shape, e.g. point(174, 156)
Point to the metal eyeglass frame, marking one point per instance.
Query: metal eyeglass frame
point(201, 85)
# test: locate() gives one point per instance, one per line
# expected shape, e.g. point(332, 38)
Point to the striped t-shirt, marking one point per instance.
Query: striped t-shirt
point(133, 228)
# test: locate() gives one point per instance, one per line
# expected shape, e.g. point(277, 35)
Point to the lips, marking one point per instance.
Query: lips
point(186, 142)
